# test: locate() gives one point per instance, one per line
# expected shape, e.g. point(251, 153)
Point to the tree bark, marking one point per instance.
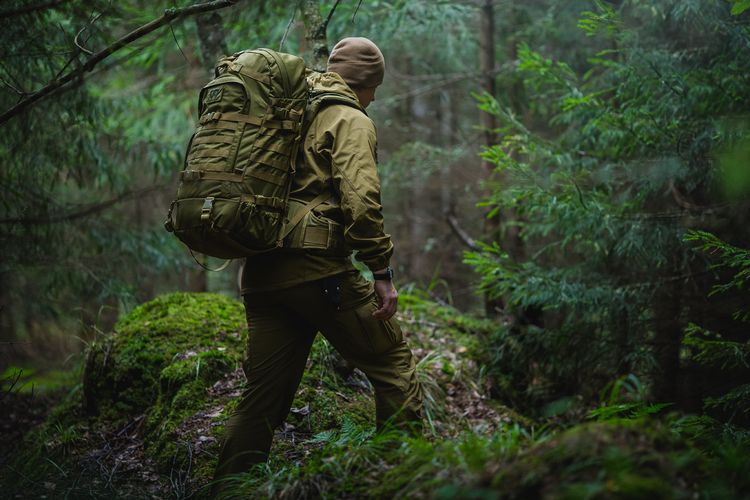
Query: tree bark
point(487, 121)
point(667, 338)
point(212, 37)
point(315, 34)
point(487, 70)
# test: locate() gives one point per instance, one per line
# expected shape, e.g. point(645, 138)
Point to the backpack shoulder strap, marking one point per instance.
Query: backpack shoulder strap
point(324, 99)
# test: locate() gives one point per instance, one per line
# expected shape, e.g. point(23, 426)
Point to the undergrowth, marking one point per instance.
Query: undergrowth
point(161, 439)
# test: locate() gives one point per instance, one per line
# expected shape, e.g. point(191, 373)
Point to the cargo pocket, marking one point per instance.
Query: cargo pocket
point(318, 232)
point(381, 336)
point(315, 233)
point(258, 228)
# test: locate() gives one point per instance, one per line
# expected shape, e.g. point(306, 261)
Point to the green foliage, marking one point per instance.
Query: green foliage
point(740, 6)
point(604, 20)
point(710, 350)
point(625, 398)
point(81, 166)
point(354, 462)
point(595, 170)
point(731, 257)
point(333, 450)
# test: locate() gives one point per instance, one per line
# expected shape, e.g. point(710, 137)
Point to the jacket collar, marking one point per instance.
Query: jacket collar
point(330, 83)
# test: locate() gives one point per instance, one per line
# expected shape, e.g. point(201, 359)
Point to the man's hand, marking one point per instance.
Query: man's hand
point(387, 300)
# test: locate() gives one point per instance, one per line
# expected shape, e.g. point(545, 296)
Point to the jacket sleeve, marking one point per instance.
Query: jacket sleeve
point(356, 181)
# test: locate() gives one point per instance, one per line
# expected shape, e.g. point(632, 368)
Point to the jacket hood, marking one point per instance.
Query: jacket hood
point(329, 82)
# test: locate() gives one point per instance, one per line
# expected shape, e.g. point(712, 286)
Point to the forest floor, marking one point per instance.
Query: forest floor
point(127, 433)
point(116, 457)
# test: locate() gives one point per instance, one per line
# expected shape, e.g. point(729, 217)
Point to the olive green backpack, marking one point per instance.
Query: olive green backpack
point(233, 196)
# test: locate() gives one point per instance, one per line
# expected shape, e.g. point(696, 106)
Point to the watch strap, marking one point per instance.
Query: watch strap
point(386, 276)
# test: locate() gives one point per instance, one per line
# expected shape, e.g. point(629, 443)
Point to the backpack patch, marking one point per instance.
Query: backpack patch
point(213, 95)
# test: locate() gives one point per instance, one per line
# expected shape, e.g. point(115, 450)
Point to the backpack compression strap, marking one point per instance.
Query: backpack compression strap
point(309, 207)
point(317, 103)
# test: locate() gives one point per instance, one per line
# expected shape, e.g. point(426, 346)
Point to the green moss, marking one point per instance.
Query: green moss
point(124, 371)
point(324, 399)
point(624, 459)
point(183, 387)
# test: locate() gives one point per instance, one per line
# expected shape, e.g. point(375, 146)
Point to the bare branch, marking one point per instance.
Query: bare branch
point(93, 60)
point(462, 235)
point(680, 198)
point(76, 40)
point(11, 87)
point(84, 212)
point(289, 26)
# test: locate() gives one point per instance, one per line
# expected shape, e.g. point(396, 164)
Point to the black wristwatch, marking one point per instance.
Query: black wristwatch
point(386, 276)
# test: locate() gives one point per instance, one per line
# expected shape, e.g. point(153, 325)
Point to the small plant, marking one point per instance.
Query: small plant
point(625, 397)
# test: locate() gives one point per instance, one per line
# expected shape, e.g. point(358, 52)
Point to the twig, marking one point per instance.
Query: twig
point(92, 20)
point(78, 43)
point(16, 83)
point(462, 235)
point(359, 4)
point(171, 29)
point(168, 16)
point(11, 87)
point(289, 25)
point(330, 15)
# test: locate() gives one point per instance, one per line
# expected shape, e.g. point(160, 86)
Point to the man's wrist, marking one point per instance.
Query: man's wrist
point(385, 274)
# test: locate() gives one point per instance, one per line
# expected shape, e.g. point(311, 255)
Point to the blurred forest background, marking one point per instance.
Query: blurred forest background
point(578, 171)
point(607, 131)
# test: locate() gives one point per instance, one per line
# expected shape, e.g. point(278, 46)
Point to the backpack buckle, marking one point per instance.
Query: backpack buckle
point(210, 117)
point(208, 204)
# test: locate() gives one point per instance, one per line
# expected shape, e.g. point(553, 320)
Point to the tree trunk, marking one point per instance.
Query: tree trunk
point(212, 38)
point(487, 121)
point(667, 339)
point(317, 52)
point(486, 68)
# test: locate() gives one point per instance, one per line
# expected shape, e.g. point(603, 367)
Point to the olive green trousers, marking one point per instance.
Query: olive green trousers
point(282, 325)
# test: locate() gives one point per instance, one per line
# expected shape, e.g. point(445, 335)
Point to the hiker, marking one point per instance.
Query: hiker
point(289, 296)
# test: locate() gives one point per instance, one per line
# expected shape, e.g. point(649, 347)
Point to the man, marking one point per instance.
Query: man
point(289, 297)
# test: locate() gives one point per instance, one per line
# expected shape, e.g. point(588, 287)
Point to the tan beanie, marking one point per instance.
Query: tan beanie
point(359, 62)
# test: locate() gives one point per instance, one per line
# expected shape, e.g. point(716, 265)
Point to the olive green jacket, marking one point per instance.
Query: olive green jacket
point(339, 156)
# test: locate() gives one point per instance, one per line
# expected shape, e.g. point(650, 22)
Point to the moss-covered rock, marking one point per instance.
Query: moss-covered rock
point(157, 347)
point(614, 459)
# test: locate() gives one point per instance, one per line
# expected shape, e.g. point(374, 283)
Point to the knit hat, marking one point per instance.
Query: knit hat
point(359, 62)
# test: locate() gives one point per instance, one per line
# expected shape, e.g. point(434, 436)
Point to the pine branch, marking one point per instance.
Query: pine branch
point(28, 9)
point(168, 16)
point(84, 212)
